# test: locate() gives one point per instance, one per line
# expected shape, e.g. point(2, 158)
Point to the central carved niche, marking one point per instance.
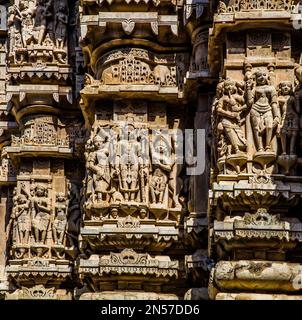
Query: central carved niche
point(130, 169)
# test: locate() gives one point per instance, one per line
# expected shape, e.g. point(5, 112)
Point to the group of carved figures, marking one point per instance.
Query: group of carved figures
point(271, 113)
point(32, 218)
point(120, 172)
point(35, 24)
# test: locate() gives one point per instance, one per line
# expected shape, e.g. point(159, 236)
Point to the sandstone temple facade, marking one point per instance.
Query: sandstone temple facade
point(150, 149)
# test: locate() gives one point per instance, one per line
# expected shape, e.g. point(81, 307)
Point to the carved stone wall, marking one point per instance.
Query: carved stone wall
point(150, 149)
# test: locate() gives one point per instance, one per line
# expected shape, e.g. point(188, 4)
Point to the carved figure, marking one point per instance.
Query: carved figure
point(43, 13)
point(40, 213)
point(129, 164)
point(27, 15)
point(98, 165)
point(158, 186)
point(61, 25)
point(229, 108)
point(289, 125)
point(21, 219)
point(264, 110)
point(60, 223)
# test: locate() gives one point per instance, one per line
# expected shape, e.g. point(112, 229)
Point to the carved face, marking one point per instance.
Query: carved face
point(62, 8)
point(143, 214)
point(24, 5)
point(158, 173)
point(131, 133)
point(40, 191)
point(286, 87)
point(22, 199)
point(229, 87)
point(261, 78)
point(98, 142)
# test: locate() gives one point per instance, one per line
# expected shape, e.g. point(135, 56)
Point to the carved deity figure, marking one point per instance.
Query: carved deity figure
point(129, 164)
point(61, 21)
point(27, 15)
point(14, 24)
point(43, 14)
point(21, 219)
point(264, 111)
point(40, 213)
point(60, 222)
point(162, 165)
point(158, 186)
point(289, 126)
point(229, 108)
point(99, 168)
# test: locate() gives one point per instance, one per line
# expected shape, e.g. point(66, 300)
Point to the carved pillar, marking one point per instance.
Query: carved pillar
point(133, 105)
point(198, 86)
point(45, 211)
point(255, 195)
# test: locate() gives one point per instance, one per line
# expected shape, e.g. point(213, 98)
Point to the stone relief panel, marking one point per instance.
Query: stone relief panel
point(37, 31)
point(256, 120)
point(121, 175)
point(44, 222)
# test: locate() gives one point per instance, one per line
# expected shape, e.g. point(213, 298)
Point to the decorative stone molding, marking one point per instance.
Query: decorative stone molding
point(128, 20)
point(129, 262)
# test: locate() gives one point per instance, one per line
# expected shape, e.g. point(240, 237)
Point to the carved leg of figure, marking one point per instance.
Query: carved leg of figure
point(283, 143)
point(233, 138)
point(258, 140)
point(161, 197)
point(124, 173)
point(55, 236)
point(134, 175)
point(43, 236)
point(41, 34)
point(18, 235)
point(26, 237)
point(255, 120)
point(268, 121)
point(293, 139)
point(60, 238)
point(37, 235)
point(152, 193)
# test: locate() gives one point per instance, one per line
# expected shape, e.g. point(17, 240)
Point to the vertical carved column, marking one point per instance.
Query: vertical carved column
point(198, 86)
point(133, 189)
point(45, 204)
point(255, 195)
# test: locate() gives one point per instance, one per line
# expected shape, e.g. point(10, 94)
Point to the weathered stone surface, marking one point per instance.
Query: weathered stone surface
point(107, 192)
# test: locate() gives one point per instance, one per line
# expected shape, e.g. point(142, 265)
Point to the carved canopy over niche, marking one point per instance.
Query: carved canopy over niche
point(139, 66)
